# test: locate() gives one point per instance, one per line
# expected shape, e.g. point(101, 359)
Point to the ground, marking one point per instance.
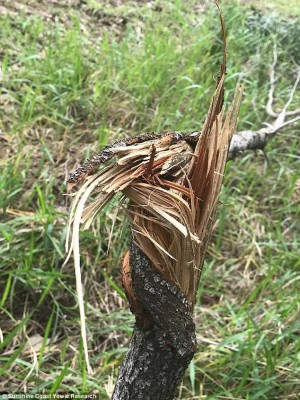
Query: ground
point(76, 75)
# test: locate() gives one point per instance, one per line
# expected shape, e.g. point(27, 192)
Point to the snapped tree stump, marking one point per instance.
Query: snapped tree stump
point(172, 183)
point(163, 342)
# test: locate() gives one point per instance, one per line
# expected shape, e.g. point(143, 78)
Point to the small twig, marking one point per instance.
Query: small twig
point(292, 96)
point(291, 121)
point(294, 112)
point(269, 106)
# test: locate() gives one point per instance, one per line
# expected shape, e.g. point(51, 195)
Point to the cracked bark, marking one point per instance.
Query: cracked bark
point(163, 341)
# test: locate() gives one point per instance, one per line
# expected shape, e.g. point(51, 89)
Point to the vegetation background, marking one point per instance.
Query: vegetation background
point(77, 75)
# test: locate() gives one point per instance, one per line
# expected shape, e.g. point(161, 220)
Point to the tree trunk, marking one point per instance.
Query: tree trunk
point(163, 342)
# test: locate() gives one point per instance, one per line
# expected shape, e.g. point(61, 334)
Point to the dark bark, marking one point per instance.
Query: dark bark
point(163, 341)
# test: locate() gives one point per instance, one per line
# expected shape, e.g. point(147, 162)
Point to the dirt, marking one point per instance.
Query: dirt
point(93, 15)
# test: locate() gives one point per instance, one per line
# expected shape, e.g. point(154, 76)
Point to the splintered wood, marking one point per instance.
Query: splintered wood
point(172, 184)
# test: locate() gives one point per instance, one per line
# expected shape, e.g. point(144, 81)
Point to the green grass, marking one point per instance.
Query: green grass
point(69, 86)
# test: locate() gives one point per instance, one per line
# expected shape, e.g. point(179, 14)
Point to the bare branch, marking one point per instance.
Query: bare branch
point(280, 121)
point(269, 105)
point(252, 140)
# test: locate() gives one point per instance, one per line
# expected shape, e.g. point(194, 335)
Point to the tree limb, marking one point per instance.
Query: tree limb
point(160, 353)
